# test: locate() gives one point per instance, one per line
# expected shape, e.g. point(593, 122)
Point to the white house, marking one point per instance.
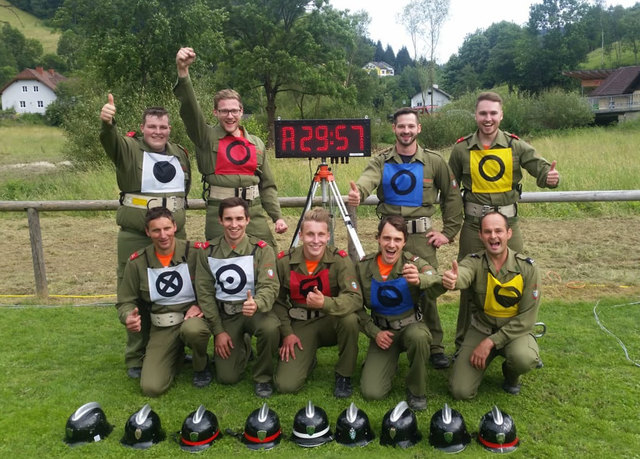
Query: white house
point(382, 69)
point(422, 101)
point(31, 91)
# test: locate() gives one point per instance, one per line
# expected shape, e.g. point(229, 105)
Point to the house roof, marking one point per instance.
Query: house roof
point(622, 81)
point(380, 65)
point(49, 78)
point(599, 74)
point(436, 89)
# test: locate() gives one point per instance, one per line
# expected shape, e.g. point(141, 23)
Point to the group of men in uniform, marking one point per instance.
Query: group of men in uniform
point(172, 292)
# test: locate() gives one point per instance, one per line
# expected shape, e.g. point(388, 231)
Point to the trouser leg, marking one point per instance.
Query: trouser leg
point(379, 369)
point(521, 356)
point(464, 378)
point(415, 338)
point(195, 333)
point(346, 333)
point(230, 370)
point(265, 326)
point(160, 365)
point(290, 376)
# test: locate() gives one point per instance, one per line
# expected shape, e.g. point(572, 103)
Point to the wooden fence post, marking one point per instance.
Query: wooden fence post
point(37, 254)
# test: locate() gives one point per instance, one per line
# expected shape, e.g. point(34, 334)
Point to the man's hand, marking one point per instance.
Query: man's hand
point(437, 239)
point(249, 307)
point(553, 176)
point(410, 273)
point(223, 345)
point(480, 353)
point(384, 339)
point(315, 299)
point(108, 110)
point(184, 59)
point(133, 322)
point(450, 277)
point(193, 311)
point(281, 226)
point(354, 195)
point(288, 348)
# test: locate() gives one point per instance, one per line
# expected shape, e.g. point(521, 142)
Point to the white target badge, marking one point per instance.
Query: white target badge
point(161, 174)
point(170, 285)
point(233, 277)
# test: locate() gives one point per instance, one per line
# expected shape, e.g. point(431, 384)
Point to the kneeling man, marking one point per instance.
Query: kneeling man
point(160, 279)
point(393, 282)
point(506, 291)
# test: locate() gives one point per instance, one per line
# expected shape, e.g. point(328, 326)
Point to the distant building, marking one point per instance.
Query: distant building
point(382, 69)
point(423, 102)
point(31, 91)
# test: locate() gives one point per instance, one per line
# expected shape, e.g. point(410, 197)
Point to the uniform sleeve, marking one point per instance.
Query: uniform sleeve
point(367, 326)
point(205, 291)
point(450, 199)
point(128, 292)
point(191, 114)
point(268, 285)
point(349, 298)
point(430, 281)
point(282, 304)
point(371, 177)
point(524, 321)
point(269, 191)
point(534, 164)
point(455, 164)
point(113, 143)
point(467, 268)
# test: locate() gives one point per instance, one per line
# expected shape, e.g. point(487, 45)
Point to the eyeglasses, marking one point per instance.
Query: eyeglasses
point(233, 111)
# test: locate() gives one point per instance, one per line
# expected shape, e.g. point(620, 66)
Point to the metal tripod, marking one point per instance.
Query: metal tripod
point(324, 179)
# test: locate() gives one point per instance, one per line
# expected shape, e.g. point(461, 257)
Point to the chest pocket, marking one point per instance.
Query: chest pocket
point(491, 170)
point(161, 174)
point(402, 184)
point(170, 285)
point(502, 299)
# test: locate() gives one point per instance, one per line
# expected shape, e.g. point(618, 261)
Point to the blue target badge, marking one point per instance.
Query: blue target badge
point(402, 184)
point(391, 297)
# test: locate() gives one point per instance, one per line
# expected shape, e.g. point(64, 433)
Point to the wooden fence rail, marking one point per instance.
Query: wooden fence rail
point(32, 208)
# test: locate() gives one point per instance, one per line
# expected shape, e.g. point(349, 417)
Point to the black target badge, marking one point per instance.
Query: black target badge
point(169, 284)
point(307, 285)
point(164, 171)
point(389, 296)
point(403, 182)
point(238, 152)
point(506, 296)
point(231, 279)
point(483, 164)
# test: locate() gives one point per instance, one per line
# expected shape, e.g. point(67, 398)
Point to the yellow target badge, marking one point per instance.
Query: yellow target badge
point(491, 170)
point(502, 299)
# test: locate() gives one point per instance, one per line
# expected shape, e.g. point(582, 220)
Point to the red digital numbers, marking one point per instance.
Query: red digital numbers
point(344, 141)
point(360, 131)
point(322, 136)
point(307, 138)
point(288, 138)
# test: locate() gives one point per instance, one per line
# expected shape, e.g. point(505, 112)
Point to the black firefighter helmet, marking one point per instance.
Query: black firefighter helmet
point(353, 427)
point(448, 431)
point(87, 424)
point(311, 427)
point(400, 427)
point(262, 429)
point(497, 432)
point(143, 429)
point(199, 430)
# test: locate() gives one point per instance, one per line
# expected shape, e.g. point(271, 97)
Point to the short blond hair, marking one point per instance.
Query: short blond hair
point(317, 214)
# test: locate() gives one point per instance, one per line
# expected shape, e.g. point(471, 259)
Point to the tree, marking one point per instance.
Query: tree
point(403, 60)
point(389, 56)
point(379, 54)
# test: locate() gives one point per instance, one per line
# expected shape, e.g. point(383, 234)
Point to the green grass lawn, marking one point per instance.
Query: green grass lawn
point(30, 26)
point(583, 403)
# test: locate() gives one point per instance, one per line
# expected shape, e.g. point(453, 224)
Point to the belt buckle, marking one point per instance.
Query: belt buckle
point(486, 209)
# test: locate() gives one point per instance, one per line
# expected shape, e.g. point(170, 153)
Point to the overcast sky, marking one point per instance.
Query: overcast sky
point(465, 17)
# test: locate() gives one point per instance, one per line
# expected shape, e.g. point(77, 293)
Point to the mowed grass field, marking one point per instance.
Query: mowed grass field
point(62, 353)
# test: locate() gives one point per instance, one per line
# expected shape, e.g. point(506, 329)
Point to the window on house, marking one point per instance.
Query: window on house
point(35, 89)
point(24, 89)
point(40, 104)
point(23, 104)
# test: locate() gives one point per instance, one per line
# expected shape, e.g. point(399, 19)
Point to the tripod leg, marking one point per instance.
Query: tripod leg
point(312, 192)
point(346, 218)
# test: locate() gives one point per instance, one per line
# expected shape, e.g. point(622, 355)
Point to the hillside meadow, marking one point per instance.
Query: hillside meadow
point(30, 26)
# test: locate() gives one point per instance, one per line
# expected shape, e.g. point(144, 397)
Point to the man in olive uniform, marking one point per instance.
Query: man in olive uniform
point(392, 282)
point(232, 161)
point(317, 304)
point(488, 165)
point(151, 172)
point(159, 279)
point(505, 286)
point(236, 283)
point(407, 179)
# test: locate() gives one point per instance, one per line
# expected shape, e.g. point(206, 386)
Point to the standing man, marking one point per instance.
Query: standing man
point(236, 283)
point(393, 280)
point(408, 179)
point(506, 298)
point(488, 164)
point(232, 161)
point(158, 280)
point(317, 305)
point(151, 172)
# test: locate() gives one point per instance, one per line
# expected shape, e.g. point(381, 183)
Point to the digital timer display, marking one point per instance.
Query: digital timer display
point(323, 138)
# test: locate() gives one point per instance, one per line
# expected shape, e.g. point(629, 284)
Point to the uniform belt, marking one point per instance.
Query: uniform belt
point(385, 324)
point(141, 201)
point(231, 309)
point(478, 210)
point(168, 319)
point(304, 314)
point(248, 193)
point(419, 225)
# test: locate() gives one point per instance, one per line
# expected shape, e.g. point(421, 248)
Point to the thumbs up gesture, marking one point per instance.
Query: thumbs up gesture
point(553, 176)
point(354, 194)
point(108, 110)
point(133, 322)
point(450, 277)
point(249, 307)
point(315, 299)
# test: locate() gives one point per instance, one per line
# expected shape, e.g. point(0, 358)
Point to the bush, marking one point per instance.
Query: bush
point(441, 129)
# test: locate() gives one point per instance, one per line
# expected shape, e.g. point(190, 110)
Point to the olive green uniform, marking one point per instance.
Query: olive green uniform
point(492, 181)
point(206, 139)
point(226, 316)
point(510, 300)
point(410, 333)
point(437, 178)
point(127, 156)
point(335, 323)
point(165, 349)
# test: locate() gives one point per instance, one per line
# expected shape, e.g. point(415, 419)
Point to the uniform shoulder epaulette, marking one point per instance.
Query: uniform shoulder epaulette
point(262, 244)
point(131, 134)
point(474, 255)
point(201, 245)
point(525, 258)
point(463, 138)
point(136, 254)
point(342, 253)
point(513, 136)
point(284, 253)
